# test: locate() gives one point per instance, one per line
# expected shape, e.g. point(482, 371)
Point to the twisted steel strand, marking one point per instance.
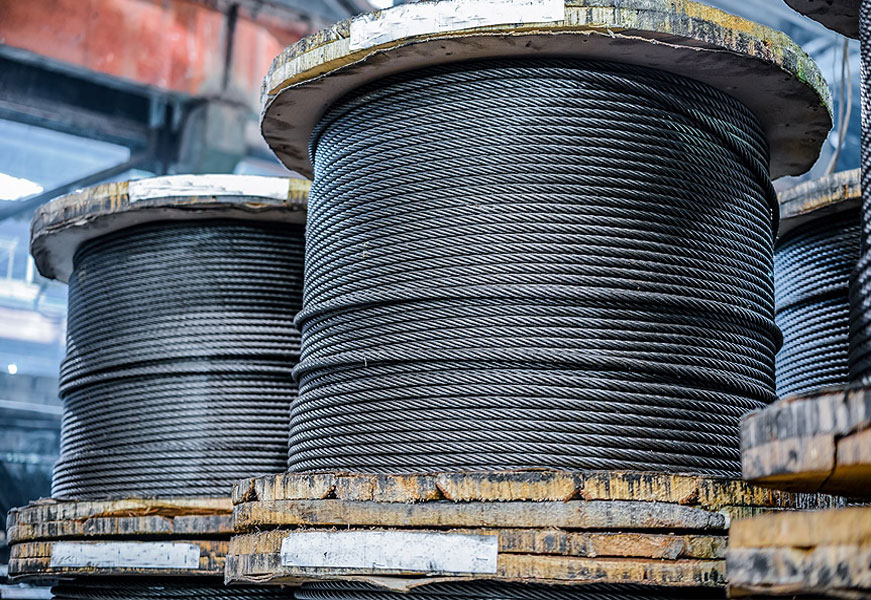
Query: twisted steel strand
point(178, 374)
point(535, 263)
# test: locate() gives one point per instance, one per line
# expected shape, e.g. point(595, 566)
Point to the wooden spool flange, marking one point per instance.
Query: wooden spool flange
point(815, 443)
point(819, 198)
point(839, 15)
point(63, 224)
point(823, 553)
point(760, 67)
point(553, 527)
point(135, 536)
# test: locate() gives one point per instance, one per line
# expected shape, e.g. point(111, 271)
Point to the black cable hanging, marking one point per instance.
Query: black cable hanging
point(860, 287)
point(535, 263)
point(147, 588)
point(180, 348)
point(491, 590)
point(812, 268)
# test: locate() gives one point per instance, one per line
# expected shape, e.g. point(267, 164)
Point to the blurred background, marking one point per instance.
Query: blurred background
point(102, 90)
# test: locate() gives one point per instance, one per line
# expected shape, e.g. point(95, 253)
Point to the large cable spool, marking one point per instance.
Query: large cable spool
point(180, 343)
point(814, 258)
point(519, 261)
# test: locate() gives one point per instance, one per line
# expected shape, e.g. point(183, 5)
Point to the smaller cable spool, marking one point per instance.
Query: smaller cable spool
point(814, 259)
point(180, 342)
point(145, 588)
point(345, 590)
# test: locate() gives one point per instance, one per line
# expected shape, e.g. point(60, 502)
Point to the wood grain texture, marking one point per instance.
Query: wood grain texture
point(32, 560)
point(51, 519)
point(821, 552)
point(816, 443)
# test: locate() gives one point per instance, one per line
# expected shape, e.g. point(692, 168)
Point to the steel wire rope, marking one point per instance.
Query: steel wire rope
point(492, 590)
point(812, 268)
point(180, 349)
point(860, 286)
point(148, 588)
point(535, 263)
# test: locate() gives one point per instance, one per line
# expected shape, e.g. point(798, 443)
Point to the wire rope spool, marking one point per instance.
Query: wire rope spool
point(860, 292)
point(180, 343)
point(146, 588)
point(814, 259)
point(519, 260)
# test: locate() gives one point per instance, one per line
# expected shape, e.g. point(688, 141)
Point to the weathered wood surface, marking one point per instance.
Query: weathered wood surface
point(760, 67)
point(63, 224)
point(32, 560)
point(822, 552)
point(528, 486)
point(819, 198)
point(818, 443)
point(132, 517)
point(266, 569)
point(553, 542)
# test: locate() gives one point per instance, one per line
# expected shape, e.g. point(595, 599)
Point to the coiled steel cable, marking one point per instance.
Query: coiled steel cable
point(180, 349)
point(146, 588)
point(860, 288)
point(812, 268)
point(485, 590)
point(535, 263)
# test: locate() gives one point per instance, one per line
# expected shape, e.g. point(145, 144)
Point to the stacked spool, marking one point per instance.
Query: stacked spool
point(176, 383)
point(818, 438)
point(538, 298)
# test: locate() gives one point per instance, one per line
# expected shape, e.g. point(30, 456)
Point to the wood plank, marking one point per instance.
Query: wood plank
point(568, 515)
point(826, 570)
point(843, 526)
point(815, 443)
point(32, 560)
point(537, 486)
point(49, 519)
point(540, 541)
point(264, 569)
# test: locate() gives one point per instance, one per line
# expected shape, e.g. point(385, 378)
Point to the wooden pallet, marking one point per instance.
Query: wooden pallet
point(825, 553)
point(815, 443)
point(157, 537)
point(527, 526)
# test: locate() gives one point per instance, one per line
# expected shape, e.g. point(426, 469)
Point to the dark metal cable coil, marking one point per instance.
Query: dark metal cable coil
point(860, 287)
point(180, 349)
point(485, 590)
point(543, 263)
point(146, 588)
point(812, 268)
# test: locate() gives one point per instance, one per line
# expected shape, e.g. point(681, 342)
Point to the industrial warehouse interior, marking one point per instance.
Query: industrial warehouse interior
point(436, 300)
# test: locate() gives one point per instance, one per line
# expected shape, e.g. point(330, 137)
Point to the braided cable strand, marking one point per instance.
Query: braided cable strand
point(516, 264)
point(485, 590)
point(139, 588)
point(860, 287)
point(812, 268)
point(178, 375)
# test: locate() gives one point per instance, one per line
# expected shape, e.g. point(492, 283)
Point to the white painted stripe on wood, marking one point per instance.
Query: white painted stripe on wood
point(433, 553)
point(172, 186)
point(140, 555)
point(408, 20)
